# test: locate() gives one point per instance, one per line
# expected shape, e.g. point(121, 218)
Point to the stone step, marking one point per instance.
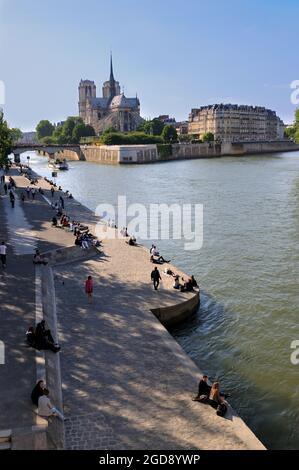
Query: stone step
point(5, 446)
point(5, 435)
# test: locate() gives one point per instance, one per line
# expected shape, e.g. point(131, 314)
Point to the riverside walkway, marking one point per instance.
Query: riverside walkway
point(126, 383)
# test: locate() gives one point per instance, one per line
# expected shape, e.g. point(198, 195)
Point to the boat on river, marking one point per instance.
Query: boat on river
point(58, 164)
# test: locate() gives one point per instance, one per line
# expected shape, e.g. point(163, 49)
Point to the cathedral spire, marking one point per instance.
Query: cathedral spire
point(111, 69)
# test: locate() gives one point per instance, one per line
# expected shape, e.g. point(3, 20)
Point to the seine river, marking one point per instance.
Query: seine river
point(248, 269)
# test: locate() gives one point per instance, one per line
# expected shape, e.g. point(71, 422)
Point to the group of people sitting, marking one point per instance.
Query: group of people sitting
point(52, 183)
point(41, 337)
point(211, 395)
point(40, 398)
point(183, 285)
point(81, 232)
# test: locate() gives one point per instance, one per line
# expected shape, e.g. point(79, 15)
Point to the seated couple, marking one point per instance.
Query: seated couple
point(211, 395)
point(41, 338)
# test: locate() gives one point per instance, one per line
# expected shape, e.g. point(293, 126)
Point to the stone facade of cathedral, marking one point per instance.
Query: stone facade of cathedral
point(113, 109)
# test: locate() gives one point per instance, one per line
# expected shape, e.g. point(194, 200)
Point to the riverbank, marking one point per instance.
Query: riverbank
point(139, 154)
point(115, 354)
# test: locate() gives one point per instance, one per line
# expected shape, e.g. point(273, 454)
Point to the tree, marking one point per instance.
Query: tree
point(16, 134)
point(154, 127)
point(169, 134)
point(82, 130)
point(44, 129)
point(5, 140)
point(69, 125)
point(208, 137)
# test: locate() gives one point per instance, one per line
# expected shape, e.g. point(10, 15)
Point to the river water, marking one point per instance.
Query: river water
point(248, 269)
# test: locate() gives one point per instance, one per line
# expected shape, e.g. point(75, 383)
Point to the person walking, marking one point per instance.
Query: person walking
point(12, 199)
point(52, 191)
point(155, 276)
point(5, 189)
point(89, 288)
point(33, 193)
point(28, 192)
point(3, 250)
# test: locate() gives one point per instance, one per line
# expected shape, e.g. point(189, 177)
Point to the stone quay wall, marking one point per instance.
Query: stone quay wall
point(132, 154)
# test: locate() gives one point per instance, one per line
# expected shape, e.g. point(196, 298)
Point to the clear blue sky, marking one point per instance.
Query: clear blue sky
point(176, 54)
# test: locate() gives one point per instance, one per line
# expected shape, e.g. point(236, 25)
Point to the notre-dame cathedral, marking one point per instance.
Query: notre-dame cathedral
point(112, 110)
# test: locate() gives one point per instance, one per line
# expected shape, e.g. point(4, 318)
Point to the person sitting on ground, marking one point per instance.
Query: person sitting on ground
point(45, 407)
point(214, 395)
point(39, 259)
point(193, 281)
point(30, 336)
point(187, 286)
point(54, 221)
point(204, 389)
point(222, 407)
point(37, 392)
point(70, 196)
point(132, 241)
point(169, 272)
point(44, 338)
point(158, 260)
point(176, 284)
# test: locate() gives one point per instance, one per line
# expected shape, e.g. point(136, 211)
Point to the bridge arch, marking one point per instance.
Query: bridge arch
point(50, 150)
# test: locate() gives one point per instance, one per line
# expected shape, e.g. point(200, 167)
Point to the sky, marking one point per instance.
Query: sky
point(175, 54)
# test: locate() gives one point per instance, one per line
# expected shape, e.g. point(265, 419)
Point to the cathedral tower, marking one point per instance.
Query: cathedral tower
point(87, 90)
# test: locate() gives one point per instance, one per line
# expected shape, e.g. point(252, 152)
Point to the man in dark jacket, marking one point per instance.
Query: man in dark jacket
point(155, 276)
point(44, 338)
point(203, 388)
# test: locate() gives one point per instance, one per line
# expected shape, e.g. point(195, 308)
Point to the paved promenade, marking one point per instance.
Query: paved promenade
point(126, 383)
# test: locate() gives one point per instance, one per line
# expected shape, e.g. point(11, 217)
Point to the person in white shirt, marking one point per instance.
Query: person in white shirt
point(3, 249)
point(45, 407)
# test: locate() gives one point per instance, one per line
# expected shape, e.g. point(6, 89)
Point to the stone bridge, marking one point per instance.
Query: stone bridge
point(46, 149)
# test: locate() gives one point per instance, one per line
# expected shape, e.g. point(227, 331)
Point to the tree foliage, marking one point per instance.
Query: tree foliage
point(44, 129)
point(169, 134)
point(131, 138)
point(69, 132)
point(152, 127)
point(16, 134)
point(208, 137)
point(6, 140)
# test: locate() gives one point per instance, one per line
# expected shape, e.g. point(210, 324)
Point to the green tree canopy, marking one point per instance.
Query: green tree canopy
point(131, 138)
point(169, 134)
point(5, 140)
point(81, 130)
point(44, 129)
point(208, 137)
point(153, 127)
point(16, 134)
point(69, 132)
